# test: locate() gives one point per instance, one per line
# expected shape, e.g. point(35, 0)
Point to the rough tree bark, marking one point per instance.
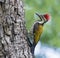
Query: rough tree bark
point(13, 41)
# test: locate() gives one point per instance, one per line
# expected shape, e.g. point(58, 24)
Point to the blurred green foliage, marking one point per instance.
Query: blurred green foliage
point(51, 33)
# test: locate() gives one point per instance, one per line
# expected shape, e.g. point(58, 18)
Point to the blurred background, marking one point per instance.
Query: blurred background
point(51, 33)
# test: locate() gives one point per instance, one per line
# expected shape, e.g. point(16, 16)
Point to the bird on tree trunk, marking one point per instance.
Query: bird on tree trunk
point(35, 34)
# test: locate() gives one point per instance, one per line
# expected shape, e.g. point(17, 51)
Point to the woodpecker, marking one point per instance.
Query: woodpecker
point(35, 33)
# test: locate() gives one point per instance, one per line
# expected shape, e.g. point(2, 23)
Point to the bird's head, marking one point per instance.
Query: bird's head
point(43, 18)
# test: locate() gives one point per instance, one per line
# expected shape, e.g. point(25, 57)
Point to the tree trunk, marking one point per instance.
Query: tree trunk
point(13, 40)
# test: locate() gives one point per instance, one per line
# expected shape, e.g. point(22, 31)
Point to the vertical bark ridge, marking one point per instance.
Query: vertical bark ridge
point(13, 41)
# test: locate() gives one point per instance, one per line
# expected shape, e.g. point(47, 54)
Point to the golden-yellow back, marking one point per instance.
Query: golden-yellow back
point(38, 33)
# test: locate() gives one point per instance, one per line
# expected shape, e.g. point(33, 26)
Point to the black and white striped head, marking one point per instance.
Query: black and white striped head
point(43, 18)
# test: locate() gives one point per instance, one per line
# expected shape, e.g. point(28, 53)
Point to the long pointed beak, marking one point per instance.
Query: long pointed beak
point(39, 16)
